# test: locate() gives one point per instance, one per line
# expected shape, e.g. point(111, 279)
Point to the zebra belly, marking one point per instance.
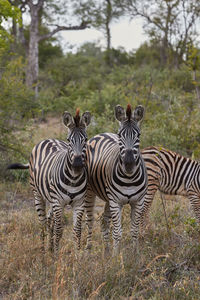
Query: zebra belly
point(171, 190)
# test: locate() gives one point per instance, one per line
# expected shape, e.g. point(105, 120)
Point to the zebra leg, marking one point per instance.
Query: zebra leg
point(89, 208)
point(40, 205)
point(195, 202)
point(78, 210)
point(152, 189)
point(50, 226)
point(116, 211)
point(136, 210)
point(57, 225)
point(105, 226)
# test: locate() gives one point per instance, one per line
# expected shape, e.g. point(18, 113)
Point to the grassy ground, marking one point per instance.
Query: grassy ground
point(166, 265)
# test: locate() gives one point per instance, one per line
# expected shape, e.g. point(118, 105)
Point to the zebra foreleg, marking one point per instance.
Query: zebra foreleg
point(116, 211)
point(40, 206)
point(136, 210)
point(57, 226)
point(78, 210)
point(105, 226)
point(89, 208)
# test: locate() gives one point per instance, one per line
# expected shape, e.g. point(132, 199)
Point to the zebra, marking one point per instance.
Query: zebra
point(173, 174)
point(117, 175)
point(58, 176)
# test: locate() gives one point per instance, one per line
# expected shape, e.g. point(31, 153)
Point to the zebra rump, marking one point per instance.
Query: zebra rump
point(173, 174)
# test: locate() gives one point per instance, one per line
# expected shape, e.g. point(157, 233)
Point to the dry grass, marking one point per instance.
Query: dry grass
point(166, 265)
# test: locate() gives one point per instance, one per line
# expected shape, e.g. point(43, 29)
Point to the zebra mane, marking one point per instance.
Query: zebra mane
point(128, 112)
point(77, 117)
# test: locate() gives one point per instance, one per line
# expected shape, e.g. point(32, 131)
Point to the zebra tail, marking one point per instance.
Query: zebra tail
point(17, 166)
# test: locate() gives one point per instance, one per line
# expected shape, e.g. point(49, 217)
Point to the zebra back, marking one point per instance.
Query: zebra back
point(174, 172)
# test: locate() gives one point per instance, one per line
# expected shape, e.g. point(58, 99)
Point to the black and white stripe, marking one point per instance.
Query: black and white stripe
point(117, 174)
point(173, 174)
point(58, 176)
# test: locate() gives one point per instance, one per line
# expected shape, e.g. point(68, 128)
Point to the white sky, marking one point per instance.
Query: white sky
point(127, 34)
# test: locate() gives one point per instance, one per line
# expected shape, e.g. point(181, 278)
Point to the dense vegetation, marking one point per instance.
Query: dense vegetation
point(163, 75)
point(84, 80)
point(169, 91)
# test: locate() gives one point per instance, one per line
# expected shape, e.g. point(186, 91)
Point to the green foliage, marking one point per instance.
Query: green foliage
point(84, 80)
point(7, 11)
point(148, 55)
point(17, 105)
point(47, 52)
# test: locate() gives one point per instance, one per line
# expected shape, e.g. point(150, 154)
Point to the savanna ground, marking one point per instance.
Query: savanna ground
point(165, 266)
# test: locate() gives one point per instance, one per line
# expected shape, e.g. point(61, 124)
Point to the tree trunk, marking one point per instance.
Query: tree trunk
point(33, 64)
point(14, 33)
point(108, 34)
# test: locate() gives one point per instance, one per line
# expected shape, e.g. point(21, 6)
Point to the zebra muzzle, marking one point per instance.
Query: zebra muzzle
point(129, 161)
point(77, 164)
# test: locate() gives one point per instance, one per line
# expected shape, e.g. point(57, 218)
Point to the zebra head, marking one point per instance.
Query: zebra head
point(129, 135)
point(77, 138)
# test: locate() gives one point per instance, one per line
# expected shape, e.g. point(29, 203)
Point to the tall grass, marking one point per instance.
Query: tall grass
point(165, 266)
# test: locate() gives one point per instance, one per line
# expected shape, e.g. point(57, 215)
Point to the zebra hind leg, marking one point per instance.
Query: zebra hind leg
point(147, 205)
point(195, 203)
point(50, 225)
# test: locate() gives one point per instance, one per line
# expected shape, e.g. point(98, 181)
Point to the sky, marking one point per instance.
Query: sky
point(126, 34)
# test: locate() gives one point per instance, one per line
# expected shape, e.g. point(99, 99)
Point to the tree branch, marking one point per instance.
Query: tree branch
point(58, 28)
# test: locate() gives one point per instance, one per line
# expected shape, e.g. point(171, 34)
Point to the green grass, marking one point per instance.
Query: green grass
point(165, 266)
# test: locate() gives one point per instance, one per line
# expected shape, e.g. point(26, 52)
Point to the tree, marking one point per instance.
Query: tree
point(101, 14)
point(170, 23)
point(37, 10)
point(6, 12)
point(193, 63)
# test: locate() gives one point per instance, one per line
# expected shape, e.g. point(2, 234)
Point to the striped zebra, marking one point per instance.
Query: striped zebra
point(58, 176)
point(117, 174)
point(172, 174)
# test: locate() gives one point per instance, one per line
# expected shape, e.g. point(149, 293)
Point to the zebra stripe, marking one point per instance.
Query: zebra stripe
point(58, 176)
point(117, 174)
point(173, 174)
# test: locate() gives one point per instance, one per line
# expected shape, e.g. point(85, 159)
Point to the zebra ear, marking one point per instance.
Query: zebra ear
point(67, 119)
point(138, 113)
point(86, 118)
point(119, 113)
